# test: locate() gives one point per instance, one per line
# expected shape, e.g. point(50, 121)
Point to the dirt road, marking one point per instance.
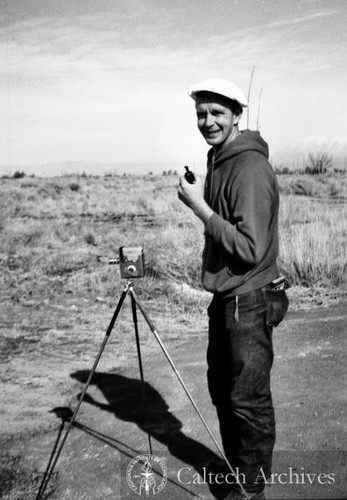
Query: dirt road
point(309, 390)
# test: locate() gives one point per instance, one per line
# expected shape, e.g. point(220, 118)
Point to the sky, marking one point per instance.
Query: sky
point(105, 81)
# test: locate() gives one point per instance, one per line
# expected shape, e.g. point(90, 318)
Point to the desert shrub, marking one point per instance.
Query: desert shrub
point(334, 189)
point(318, 164)
point(22, 233)
point(281, 170)
point(174, 252)
point(18, 175)
point(74, 186)
point(63, 262)
point(60, 232)
point(30, 182)
point(89, 238)
point(304, 187)
point(33, 236)
point(54, 188)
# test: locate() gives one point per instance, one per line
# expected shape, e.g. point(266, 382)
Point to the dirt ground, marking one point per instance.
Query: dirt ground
point(47, 352)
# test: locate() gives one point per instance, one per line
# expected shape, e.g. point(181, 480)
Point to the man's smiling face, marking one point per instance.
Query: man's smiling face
point(216, 120)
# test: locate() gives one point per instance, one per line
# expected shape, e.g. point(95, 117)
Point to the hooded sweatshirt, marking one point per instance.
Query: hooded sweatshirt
point(241, 237)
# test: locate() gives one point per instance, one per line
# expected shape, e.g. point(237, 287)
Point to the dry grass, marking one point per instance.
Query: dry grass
point(313, 241)
point(53, 230)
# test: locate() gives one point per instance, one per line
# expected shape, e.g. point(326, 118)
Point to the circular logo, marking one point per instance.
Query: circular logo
point(146, 474)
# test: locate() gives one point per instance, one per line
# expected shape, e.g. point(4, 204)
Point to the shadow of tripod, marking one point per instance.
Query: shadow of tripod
point(124, 401)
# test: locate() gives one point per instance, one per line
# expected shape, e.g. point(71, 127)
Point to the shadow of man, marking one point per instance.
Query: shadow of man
point(125, 401)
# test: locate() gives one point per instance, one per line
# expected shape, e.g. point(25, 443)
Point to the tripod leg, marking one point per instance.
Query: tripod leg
point(61, 428)
point(155, 333)
point(83, 393)
point(139, 357)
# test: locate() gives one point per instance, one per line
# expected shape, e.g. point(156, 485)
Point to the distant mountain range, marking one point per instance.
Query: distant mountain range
point(336, 147)
point(294, 156)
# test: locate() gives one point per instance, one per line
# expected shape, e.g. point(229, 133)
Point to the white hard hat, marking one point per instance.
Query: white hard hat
point(219, 86)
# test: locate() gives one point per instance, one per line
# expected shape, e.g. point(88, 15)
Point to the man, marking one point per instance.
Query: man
point(239, 209)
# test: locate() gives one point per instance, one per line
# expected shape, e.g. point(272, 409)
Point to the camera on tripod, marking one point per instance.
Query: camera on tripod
point(131, 262)
point(132, 265)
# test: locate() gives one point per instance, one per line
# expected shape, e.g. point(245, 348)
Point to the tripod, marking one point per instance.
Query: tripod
point(135, 304)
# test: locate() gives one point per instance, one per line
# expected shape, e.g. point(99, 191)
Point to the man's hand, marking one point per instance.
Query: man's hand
point(192, 196)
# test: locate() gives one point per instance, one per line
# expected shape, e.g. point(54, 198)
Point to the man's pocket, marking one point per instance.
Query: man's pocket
point(277, 306)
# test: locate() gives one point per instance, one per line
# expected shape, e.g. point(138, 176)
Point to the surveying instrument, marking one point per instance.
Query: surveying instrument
point(132, 265)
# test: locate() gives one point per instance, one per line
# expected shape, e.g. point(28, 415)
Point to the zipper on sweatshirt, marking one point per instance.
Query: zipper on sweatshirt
point(209, 182)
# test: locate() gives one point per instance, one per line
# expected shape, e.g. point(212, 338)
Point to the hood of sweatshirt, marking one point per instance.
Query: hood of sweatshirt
point(248, 140)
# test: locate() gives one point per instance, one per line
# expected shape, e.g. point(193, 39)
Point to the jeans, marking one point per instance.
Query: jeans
point(239, 357)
